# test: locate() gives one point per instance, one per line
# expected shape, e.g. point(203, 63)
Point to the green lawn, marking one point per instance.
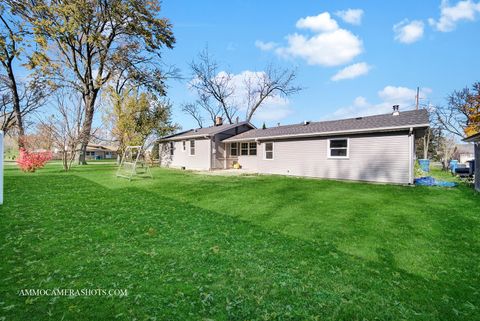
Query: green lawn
point(189, 246)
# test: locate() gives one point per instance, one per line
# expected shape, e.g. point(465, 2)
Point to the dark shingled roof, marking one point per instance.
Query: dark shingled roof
point(473, 138)
point(205, 131)
point(406, 119)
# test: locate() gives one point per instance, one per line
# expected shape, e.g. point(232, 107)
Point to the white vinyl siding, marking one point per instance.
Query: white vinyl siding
point(199, 161)
point(376, 157)
point(209, 153)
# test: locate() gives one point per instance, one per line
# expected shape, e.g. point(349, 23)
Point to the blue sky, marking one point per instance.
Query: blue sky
point(385, 50)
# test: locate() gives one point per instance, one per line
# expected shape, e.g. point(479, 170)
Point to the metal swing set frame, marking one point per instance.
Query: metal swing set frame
point(129, 167)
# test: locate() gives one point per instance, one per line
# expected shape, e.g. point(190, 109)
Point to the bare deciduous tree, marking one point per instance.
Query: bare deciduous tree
point(461, 114)
point(446, 149)
point(7, 117)
point(273, 82)
point(194, 111)
point(65, 126)
point(86, 43)
point(18, 98)
point(210, 83)
point(221, 94)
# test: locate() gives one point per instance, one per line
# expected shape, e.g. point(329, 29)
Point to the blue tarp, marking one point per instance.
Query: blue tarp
point(453, 165)
point(424, 165)
point(430, 181)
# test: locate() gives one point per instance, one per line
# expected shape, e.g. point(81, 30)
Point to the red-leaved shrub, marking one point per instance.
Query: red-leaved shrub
point(30, 162)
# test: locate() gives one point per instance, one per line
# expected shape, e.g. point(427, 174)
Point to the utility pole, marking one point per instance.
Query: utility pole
point(417, 98)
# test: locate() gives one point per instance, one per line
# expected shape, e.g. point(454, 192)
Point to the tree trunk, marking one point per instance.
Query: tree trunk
point(89, 101)
point(64, 161)
point(16, 106)
point(426, 142)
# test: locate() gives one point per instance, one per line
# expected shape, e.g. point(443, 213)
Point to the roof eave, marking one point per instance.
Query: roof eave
point(331, 133)
point(176, 137)
point(473, 138)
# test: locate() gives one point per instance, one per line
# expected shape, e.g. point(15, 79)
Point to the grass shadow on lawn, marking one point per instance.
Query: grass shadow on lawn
point(180, 261)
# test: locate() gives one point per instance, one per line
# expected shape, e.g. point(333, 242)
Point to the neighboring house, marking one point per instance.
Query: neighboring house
point(377, 148)
point(464, 153)
point(476, 140)
point(201, 148)
point(96, 151)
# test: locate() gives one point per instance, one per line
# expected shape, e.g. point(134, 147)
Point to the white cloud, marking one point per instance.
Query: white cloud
point(389, 96)
point(401, 94)
point(265, 46)
point(360, 101)
point(330, 45)
point(326, 49)
point(352, 71)
point(320, 23)
point(465, 10)
point(352, 16)
point(408, 31)
point(275, 109)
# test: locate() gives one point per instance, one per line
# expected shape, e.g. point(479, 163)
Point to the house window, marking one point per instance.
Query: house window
point(268, 150)
point(192, 147)
point(252, 149)
point(244, 149)
point(338, 148)
point(184, 144)
point(234, 149)
point(248, 149)
point(172, 148)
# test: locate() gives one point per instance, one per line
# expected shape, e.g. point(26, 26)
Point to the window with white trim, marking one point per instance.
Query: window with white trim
point(192, 147)
point(184, 144)
point(268, 150)
point(338, 148)
point(244, 149)
point(252, 148)
point(248, 149)
point(172, 148)
point(234, 149)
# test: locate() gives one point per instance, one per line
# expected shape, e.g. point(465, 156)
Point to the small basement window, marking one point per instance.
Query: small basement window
point(338, 148)
point(268, 150)
point(234, 149)
point(172, 148)
point(192, 147)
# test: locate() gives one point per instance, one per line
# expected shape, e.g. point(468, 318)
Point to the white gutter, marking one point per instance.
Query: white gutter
point(331, 133)
point(184, 138)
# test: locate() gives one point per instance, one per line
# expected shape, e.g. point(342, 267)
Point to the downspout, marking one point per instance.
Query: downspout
point(210, 152)
point(224, 155)
point(410, 156)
